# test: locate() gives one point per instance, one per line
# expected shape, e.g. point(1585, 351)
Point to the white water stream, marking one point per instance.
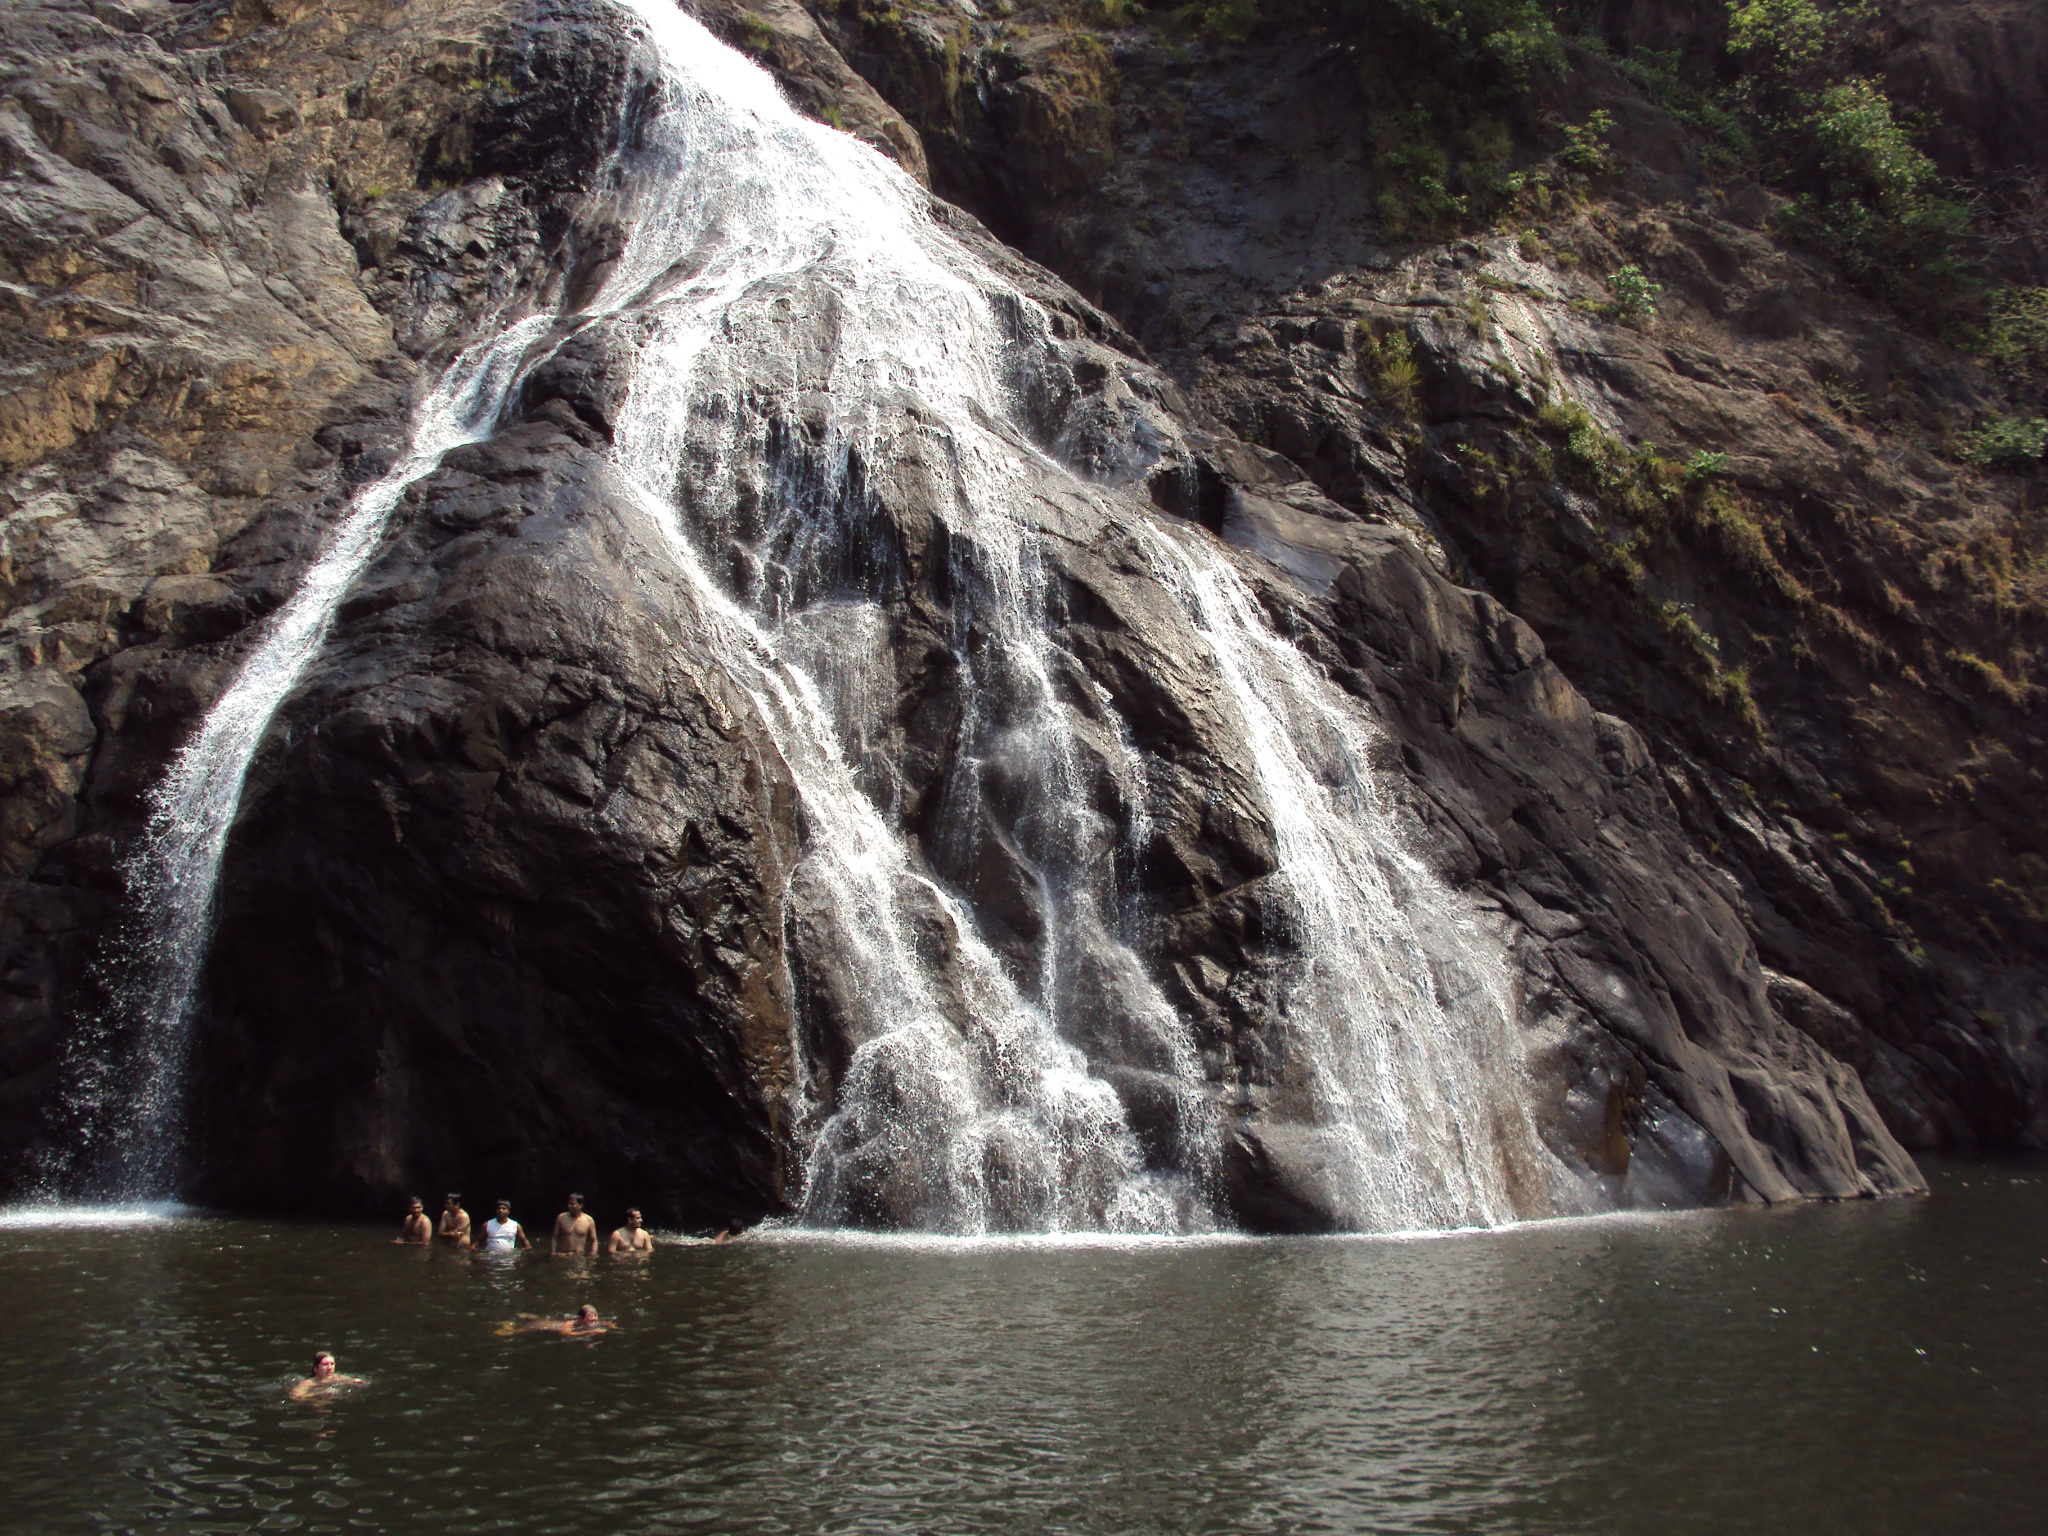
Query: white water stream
point(782, 283)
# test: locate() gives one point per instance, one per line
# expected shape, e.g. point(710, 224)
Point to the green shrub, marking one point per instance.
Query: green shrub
point(2006, 442)
point(1388, 364)
point(1635, 296)
point(1585, 145)
point(1864, 193)
point(1110, 13)
point(1414, 197)
point(1527, 50)
point(1227, 21)
point(1788, 37)
point(2016, 336)
point(1861, 143)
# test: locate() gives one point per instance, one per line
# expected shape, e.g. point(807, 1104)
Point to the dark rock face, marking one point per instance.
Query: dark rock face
point(1880, 825)
point(223, 261)
point(539, 937)
point(510, 895)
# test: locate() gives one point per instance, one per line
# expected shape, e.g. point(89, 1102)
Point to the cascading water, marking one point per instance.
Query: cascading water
point(796, 327)
point(173, 874)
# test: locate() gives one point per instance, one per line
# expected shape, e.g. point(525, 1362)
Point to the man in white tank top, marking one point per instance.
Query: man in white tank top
point(502, 1234)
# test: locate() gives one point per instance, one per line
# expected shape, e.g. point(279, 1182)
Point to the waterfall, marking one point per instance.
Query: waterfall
point(796, 329)
point(175, 869)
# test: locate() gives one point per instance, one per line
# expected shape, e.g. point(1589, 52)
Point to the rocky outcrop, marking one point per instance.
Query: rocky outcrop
point(226, 236)
point(509, 892)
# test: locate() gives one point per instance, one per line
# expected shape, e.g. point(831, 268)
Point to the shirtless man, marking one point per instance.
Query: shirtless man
point(574, 1231)
point(323, 1380)
point(416, 1231)
point(455, 1223)
point(585, 1323)
point(632, 1238)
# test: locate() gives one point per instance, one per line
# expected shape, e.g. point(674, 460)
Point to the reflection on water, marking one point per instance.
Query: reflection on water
point(1856, 1368)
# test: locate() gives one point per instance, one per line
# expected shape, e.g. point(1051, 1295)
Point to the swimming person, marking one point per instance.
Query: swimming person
point(455, 1223)
point(585, 1324)
point(632, 1238)
point(323, 1380)
point(502, 1234)
point(574, 1231)
point(415, 1231)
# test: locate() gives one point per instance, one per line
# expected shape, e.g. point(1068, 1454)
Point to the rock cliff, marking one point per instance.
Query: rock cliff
point(1872, 784)
point(1738, 771)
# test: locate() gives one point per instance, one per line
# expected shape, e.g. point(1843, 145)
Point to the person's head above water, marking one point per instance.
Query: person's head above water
point(323, 1366)
point(575, 1202)
point(455, 1199)
point(632, 1218)
point(416, 1205)
point(586, 1313)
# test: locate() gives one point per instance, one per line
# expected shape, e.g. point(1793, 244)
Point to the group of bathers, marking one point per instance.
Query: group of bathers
point(574, 1231)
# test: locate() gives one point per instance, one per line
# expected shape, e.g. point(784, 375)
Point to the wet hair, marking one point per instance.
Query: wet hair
point(575, 1199)
point(323, 1354)
point(586, 1307)
point(455, 1199)
point(414, 1200)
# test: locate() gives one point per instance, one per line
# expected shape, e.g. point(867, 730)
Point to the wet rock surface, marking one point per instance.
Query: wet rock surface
point(509, 892)
point(1874, 800)
point(227, 238)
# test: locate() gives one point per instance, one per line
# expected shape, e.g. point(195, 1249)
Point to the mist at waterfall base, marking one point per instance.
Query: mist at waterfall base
point(1868, 1368)
point(979, 1091)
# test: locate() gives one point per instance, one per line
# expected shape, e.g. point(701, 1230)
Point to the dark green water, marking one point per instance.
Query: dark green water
point(1865, 1369)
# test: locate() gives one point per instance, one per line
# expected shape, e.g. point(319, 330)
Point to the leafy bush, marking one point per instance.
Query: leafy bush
point(1413, 173)
point(1789, 37)
point(1227, 21)
point(1862, 143)
point(1527, 50)
point(1864, 192)
point(2006, 442)
point(2016, 336)
point(1451, 87)
point(1635, 296)
point(1388, 363)
point(1585, 145)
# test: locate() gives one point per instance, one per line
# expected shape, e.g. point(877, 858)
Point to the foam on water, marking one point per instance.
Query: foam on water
point(29, 1217)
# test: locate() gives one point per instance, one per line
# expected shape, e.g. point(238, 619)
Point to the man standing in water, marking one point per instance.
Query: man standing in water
point(502, 1234)
point(416, 1231)
point(632, 1238)
point(323, 1380)
point(455, 1223)
point(574, 1231)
